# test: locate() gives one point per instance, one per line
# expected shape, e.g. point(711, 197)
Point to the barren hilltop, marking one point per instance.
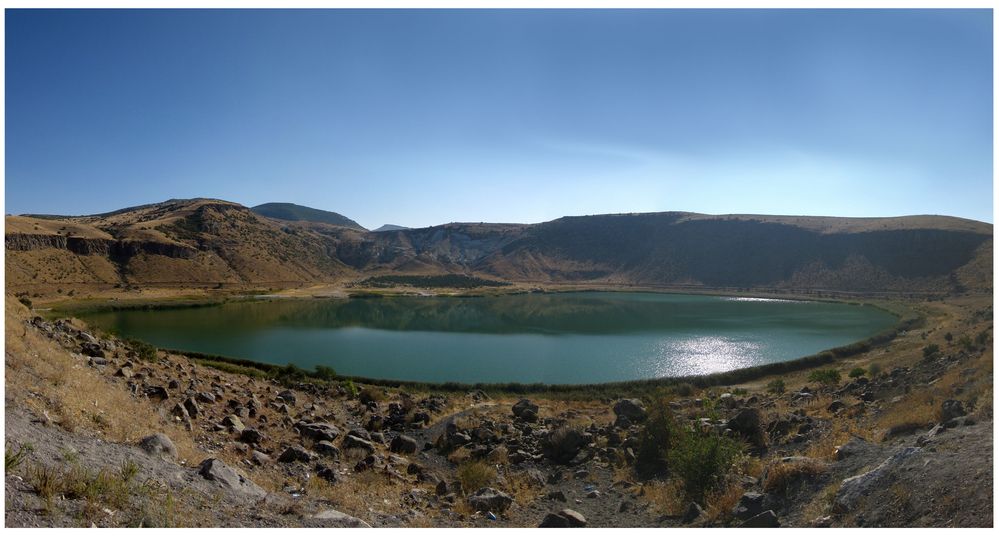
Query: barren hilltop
point(204, 242)
point(893, 431)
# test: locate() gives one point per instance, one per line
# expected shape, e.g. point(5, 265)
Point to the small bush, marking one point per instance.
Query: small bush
point(351, 389)
point(857, 372)
point(824, 376)
point(949, 337)
point(12, 459)
point(965, 343)
point(370, 394)
point(982, 338)
point(931, 351)
point(874, 369)
point(563, 444)
point(474, 475)
point(700, 459)
point(325, 373)
point(25, 300)
point(144, 351)
point(776, 386)
point(685, 389)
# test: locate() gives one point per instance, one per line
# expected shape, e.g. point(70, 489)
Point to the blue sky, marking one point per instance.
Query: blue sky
point(426, 117)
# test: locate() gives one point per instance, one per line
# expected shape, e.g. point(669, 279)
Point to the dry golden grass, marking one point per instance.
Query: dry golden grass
point(719, 503)
point(780, 475)
point(524, 489)
point(74, 395)
point(475, 475)
point(665, 497)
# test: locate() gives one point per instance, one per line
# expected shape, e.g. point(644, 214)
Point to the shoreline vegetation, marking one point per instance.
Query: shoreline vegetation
point(907, 319)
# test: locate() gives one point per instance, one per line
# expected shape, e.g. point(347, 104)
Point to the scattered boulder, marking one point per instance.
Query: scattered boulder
point(526, 410)
point(747, 423)
point(296, 453)
point(318, 431)
point(288, 397)
point(632, 409)
point(854, 488)
point(251, 436)
point(490, 499)
point(766, 519)
point(159, 444)
point(92, 349)
point(750, 505)
point(233, 423)
point(563, 445)
point(219, 472)
point(575, 519)
point(158, 393)
point(403, 444)
point(335, 519)
point(327, 449)
point(951, 409)
point(693, 512)
point(192, 407)
point(354, 442)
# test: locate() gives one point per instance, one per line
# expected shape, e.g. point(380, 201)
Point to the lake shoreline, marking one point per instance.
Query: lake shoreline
point(906, 319)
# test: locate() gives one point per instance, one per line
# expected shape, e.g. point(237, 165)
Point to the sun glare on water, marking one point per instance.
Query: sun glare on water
point(703, 355)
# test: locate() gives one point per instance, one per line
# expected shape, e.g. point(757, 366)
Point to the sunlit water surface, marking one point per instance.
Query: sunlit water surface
point(567, 338)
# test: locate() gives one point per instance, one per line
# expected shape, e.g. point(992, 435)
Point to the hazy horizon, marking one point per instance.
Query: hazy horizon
point(420, 118)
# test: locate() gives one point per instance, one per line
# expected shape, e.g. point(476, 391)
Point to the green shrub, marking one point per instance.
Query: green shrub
point(874, 369)
point(25, 300)
point(144, 351)
point(12, 459)
point(949, 337)
point(684, 389)
point(931, 351)
point(325, 373)
point(667, 446)
point(965, 343)
point(857, 372)
point(351, 389)
point(776, 386)
point(982, 338)
point(824, 376)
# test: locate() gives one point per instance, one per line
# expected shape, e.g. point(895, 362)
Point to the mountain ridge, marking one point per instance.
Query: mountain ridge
point(204, 241)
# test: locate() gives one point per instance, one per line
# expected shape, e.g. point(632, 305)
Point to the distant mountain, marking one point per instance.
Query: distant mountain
point(390, 227)
point(301, 213)
point(205, 242)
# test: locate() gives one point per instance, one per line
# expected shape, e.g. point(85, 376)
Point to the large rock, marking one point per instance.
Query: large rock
point(951, 409)
point(749, 425)
point(766, 519)
point(854, 488)
point(490, 499)
point(575, 519)
point(219, 472)
point(296, 453)
point(750, 505)
point(335, 519)
point(633, 409)
point(526, 410)
point(352, 442)
point(318, 431)
point(159, 444)
point(403, 444)
point(564, 445)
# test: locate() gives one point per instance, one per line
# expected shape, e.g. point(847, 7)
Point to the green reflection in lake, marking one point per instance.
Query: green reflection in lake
point(568, 338)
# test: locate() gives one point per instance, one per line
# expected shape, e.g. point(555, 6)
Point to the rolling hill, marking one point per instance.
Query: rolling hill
point(202, 242)
point(301, 213)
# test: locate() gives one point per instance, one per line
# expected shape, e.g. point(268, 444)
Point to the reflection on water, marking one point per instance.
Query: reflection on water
point(557, 338)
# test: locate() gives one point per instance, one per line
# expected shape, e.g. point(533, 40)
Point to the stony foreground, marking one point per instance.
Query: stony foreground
point(99, 432)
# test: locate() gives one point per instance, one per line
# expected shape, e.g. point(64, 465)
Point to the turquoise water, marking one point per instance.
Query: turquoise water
point(565, 338)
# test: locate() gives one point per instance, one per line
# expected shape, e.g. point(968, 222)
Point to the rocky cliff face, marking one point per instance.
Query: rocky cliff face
point(214, 240)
